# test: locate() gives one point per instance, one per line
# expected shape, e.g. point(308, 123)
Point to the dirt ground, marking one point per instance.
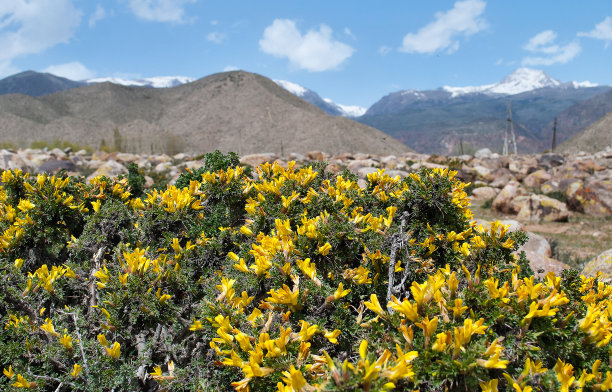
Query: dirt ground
point(574, 242)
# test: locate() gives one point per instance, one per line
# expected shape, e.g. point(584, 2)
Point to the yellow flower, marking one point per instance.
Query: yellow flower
point(48, 327)
point(332, 336)
point(374, 305)
point(246, 231)
point(114, 351)
point(489, 386)
point(565, 373)
point(66, 341)
point(294, 380)
point(324, 250)
point(76, 370)
point(493, 362)
point(22, 382)
point(9, 373)
point(339, 293)
point(406, 308)
point(102, 340)
point(25, 205)
point(307, 330)
point(428, 326)
point(96, 205)
point(18, 263)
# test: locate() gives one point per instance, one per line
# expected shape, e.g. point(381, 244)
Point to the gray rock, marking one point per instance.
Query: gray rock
point(55, 165)
point(540, 208)
point(537, 244)
point(483, 153)
point(602, 264)
point(541, 264)
point(503, 200)
point(484, 193)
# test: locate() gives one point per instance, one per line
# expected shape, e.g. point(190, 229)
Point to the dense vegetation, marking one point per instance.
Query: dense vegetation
point(284, 279)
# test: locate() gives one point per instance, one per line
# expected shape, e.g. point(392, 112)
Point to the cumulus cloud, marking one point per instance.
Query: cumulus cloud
point(602, 31)
point(72, 71)
point(216, 37)
point(33, 26)
point(99, 14)
point(314, 51)
point(229, 68)
point(160, 10)
point(547, 52)
point(443, 34)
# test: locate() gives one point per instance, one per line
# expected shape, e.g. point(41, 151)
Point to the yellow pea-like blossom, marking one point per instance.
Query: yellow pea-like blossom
point(339, 293)
point(332, 336)
point(76, 370)
point(489, 386)
point(23, 383)
point(324, 250)
point(96, 205)
point(565, 375)
point(406, 308)
point(9, 373)
point(374, 305)
point(114, 351)
point(307, 331)
point(66, 341)
point(48, 327)
point(428, 326)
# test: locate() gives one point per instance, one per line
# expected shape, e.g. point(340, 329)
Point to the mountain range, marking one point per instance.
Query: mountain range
point(442, 121)
point(232, 111)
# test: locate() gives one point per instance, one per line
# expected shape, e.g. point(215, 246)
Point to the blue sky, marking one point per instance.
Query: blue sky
point(353, 52)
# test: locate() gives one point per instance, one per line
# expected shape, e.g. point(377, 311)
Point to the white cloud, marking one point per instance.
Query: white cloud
point(229, 68)
point(602, 31)
point(99, 14)
point(547, 52)
point(160, 10)
point(314, 51)
point(33, 26)
point(463, 20)
point(216, 37)
point(72, 71)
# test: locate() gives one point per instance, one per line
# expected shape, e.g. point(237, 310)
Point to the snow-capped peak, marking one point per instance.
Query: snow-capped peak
point(155, 82)
point(519, 81)
point(348, 110)
point(293, 88)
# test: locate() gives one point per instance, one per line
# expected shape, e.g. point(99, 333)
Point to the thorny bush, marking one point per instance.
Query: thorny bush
point(291, 279)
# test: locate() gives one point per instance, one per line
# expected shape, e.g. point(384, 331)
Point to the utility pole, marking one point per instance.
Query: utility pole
point(554, 135)
point(509, 138)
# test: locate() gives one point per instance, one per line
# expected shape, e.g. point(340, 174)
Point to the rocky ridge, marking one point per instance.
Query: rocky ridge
point(525, 188)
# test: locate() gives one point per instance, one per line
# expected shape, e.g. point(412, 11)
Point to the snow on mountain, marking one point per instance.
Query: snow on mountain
point(519, 81)
point(155, 82)
point(325, 104)
point(347, 110)
point(293, 88)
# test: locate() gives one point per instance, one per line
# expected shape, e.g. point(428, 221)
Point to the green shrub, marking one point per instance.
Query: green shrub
point(291, 280)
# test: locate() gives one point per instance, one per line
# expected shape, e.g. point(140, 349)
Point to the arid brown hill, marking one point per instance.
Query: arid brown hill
point(595, 138)
point(231, 111)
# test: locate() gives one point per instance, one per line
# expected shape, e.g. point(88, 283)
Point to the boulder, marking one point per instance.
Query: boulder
point(541, 264)
point(400, 173)
point(536, 244)
point(503, 200)
point(53, 166)
point(317, 156)
point(484, 193)
point(357, 164)
point(540, 207)
point(364, 171)
point(483, 173)
point(602, 264)
point(548, 161)
point(501, 177)
point(537, 178)
point(483, 153)
point(109, 169)
point(593, 198)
